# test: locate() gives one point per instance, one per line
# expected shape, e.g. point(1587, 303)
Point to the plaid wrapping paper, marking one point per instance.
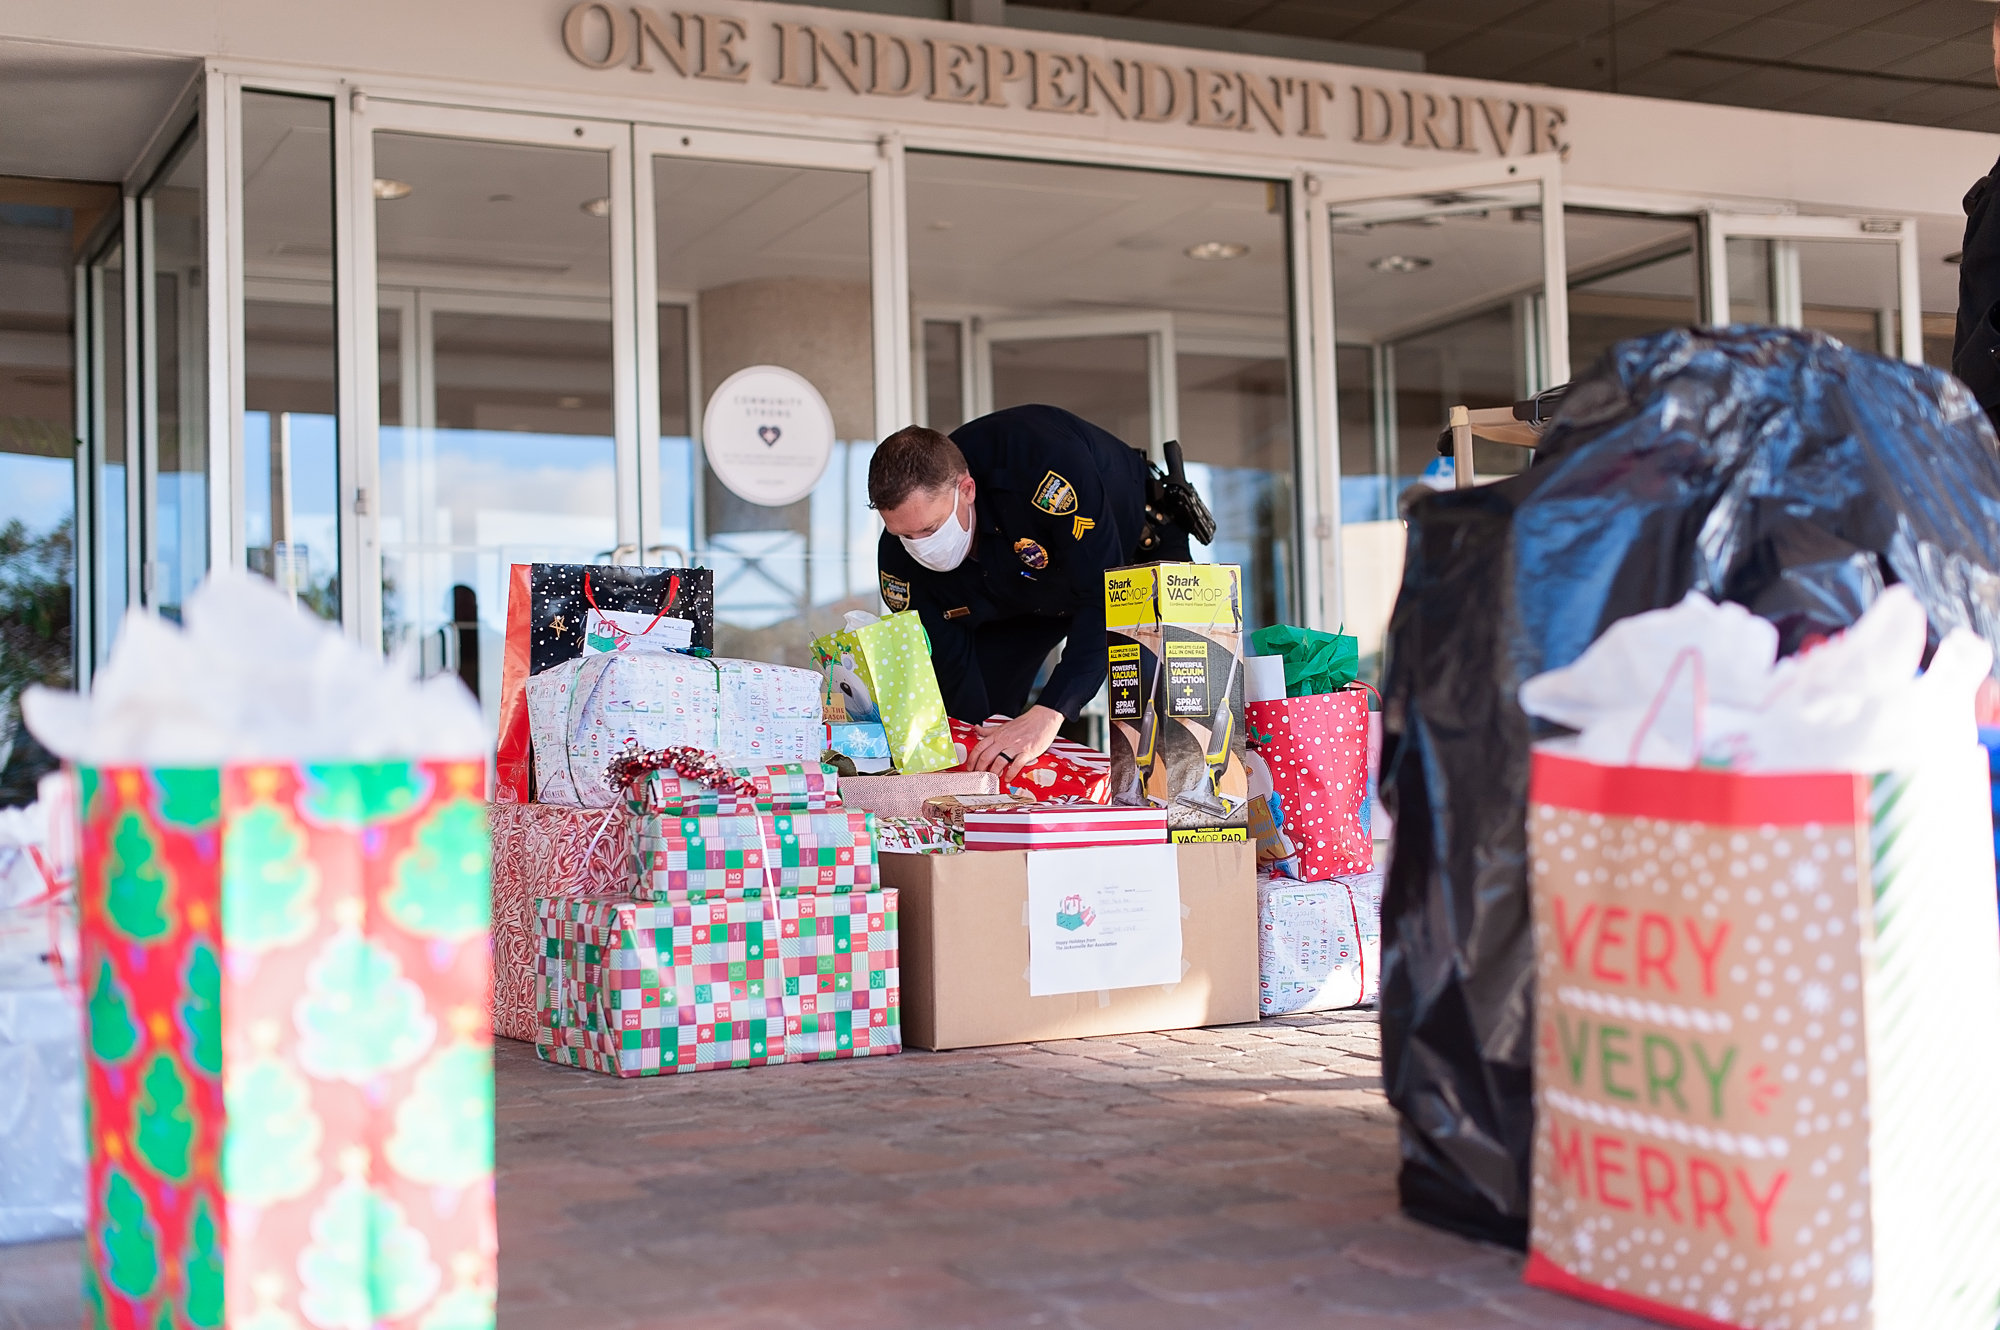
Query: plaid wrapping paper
point(785, 787)
point(631, 988)
point(546, 850)
point(742, 857)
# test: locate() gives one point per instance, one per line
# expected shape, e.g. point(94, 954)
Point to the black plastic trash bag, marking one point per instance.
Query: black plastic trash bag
point(1777, 469)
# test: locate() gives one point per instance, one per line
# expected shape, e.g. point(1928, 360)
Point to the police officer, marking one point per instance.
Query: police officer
point(1975, 352)
point(999, 537)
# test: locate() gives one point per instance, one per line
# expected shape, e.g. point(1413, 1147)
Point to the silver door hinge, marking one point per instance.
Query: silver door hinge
point(361, 502)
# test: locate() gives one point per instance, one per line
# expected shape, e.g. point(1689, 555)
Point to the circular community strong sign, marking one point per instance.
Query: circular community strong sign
point(768, 434)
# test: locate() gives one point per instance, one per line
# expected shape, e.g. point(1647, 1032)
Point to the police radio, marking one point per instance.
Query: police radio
point(1169, 498)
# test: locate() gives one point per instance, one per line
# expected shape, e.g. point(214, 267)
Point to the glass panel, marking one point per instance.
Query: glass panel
point(1106, 380)
point(107, 286)
point(1750, 281)
point(772, 264)
point(677, 499)
point(177, 336)
point(37, 463)
point(1011, 240)
point(1438, 302)
point(944, 374)
point(1629, 275)
point(494, 277)
point(1845, 288)
point(291, 442)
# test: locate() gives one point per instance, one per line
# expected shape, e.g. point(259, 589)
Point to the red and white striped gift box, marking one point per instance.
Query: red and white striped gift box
point(1067, 826)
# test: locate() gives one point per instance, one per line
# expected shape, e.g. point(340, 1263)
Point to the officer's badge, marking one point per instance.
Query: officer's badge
point(895, 592)
point(1055, 496)
point(1079, 525)
point(1031, 554)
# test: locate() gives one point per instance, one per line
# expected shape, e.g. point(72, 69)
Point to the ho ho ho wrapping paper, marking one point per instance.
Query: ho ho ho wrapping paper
point(1765, 1075)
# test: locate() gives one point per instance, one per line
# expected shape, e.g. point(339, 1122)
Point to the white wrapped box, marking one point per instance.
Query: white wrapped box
point(41, 1114)
point(584, 712)
point(1319, 944)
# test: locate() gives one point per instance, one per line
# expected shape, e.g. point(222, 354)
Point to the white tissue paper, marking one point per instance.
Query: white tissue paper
point(1700, 684)
point(38, 923)
point(251, 676)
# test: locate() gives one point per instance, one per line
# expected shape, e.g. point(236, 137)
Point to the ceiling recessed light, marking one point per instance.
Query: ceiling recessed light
point(941, 226)
point(1400, 263)
point(569, 403)
point(392, 189)
point(499, 198)
point(597, 207)
point(1217, 249)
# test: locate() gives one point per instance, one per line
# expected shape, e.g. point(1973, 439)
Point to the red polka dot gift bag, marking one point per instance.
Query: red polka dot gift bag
point(1317, 750)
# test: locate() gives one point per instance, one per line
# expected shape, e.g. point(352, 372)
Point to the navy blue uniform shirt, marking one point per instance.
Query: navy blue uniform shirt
point(1059, 501)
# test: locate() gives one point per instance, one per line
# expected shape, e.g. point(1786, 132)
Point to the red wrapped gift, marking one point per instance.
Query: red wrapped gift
point(1317, 749)
point(1062, 826)
point(556, 852)
point(1069, 770)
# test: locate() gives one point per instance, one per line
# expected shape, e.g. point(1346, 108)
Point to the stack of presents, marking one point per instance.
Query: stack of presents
point(704, 862)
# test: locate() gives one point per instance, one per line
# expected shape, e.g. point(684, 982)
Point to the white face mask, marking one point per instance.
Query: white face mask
point(943, 549)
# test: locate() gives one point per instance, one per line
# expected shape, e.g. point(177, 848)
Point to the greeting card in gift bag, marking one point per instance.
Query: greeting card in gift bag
point(1316, 748)
point(881, 671)
point(289, 1071)
point(548, 608)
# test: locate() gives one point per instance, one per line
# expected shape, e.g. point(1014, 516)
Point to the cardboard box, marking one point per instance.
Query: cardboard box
point(1174, 648)
point(964, 951)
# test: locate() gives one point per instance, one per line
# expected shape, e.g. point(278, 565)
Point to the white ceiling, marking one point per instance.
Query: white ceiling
point(69, 114)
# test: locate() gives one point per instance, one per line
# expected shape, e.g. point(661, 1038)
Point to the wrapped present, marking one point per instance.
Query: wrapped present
point(633, 988)
point(1319, 944)
point(541, 850)
point(842, 981)
point(285, 967)
point(751, 856)
point(785, 787)
point(1316, 751)
point(881, 672)
point(917, 835)
point(1052, 826)
point(904, 796)
point(1068, 770)
point(549, 621)
point(864, 743)
point(586, 711)
point(41, 1115)
point(950, 809)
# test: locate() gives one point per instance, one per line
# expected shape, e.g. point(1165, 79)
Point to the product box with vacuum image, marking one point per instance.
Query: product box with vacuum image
point(1174, 646)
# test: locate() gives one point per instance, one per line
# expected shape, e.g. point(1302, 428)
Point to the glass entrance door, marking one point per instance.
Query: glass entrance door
point(761, 252)
point(1852, 277)
point(503, 369)
point(1448, 290)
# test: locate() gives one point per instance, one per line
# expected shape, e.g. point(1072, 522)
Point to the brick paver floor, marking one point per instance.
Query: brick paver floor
point(1205, 1179)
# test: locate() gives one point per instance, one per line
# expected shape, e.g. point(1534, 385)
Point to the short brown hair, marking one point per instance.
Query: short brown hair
point(913, 458)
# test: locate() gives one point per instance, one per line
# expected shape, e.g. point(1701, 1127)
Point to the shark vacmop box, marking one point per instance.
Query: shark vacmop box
point(1174, 646)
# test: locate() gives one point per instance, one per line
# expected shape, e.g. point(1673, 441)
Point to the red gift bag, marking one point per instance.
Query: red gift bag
point(1317, 749)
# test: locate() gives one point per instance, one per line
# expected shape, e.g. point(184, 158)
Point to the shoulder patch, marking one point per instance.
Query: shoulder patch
point(895, 592)
point(1055, 496)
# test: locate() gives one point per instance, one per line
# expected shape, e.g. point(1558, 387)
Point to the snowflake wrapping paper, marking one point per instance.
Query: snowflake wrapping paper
point(1317, 750)
point(787, 787)
point(288, 1068)
point(749, 856)
point(584, 712)
point(633, 988)
point(1319, 944)
point(545, 850)
point(1757, 1104)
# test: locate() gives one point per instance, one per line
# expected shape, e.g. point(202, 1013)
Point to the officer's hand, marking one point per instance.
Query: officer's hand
point(1008, 747)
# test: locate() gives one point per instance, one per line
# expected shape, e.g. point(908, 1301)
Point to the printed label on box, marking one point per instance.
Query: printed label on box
point(1103, 917)
point(1127, 695)
point(1187, 678)
point(1196, 834)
